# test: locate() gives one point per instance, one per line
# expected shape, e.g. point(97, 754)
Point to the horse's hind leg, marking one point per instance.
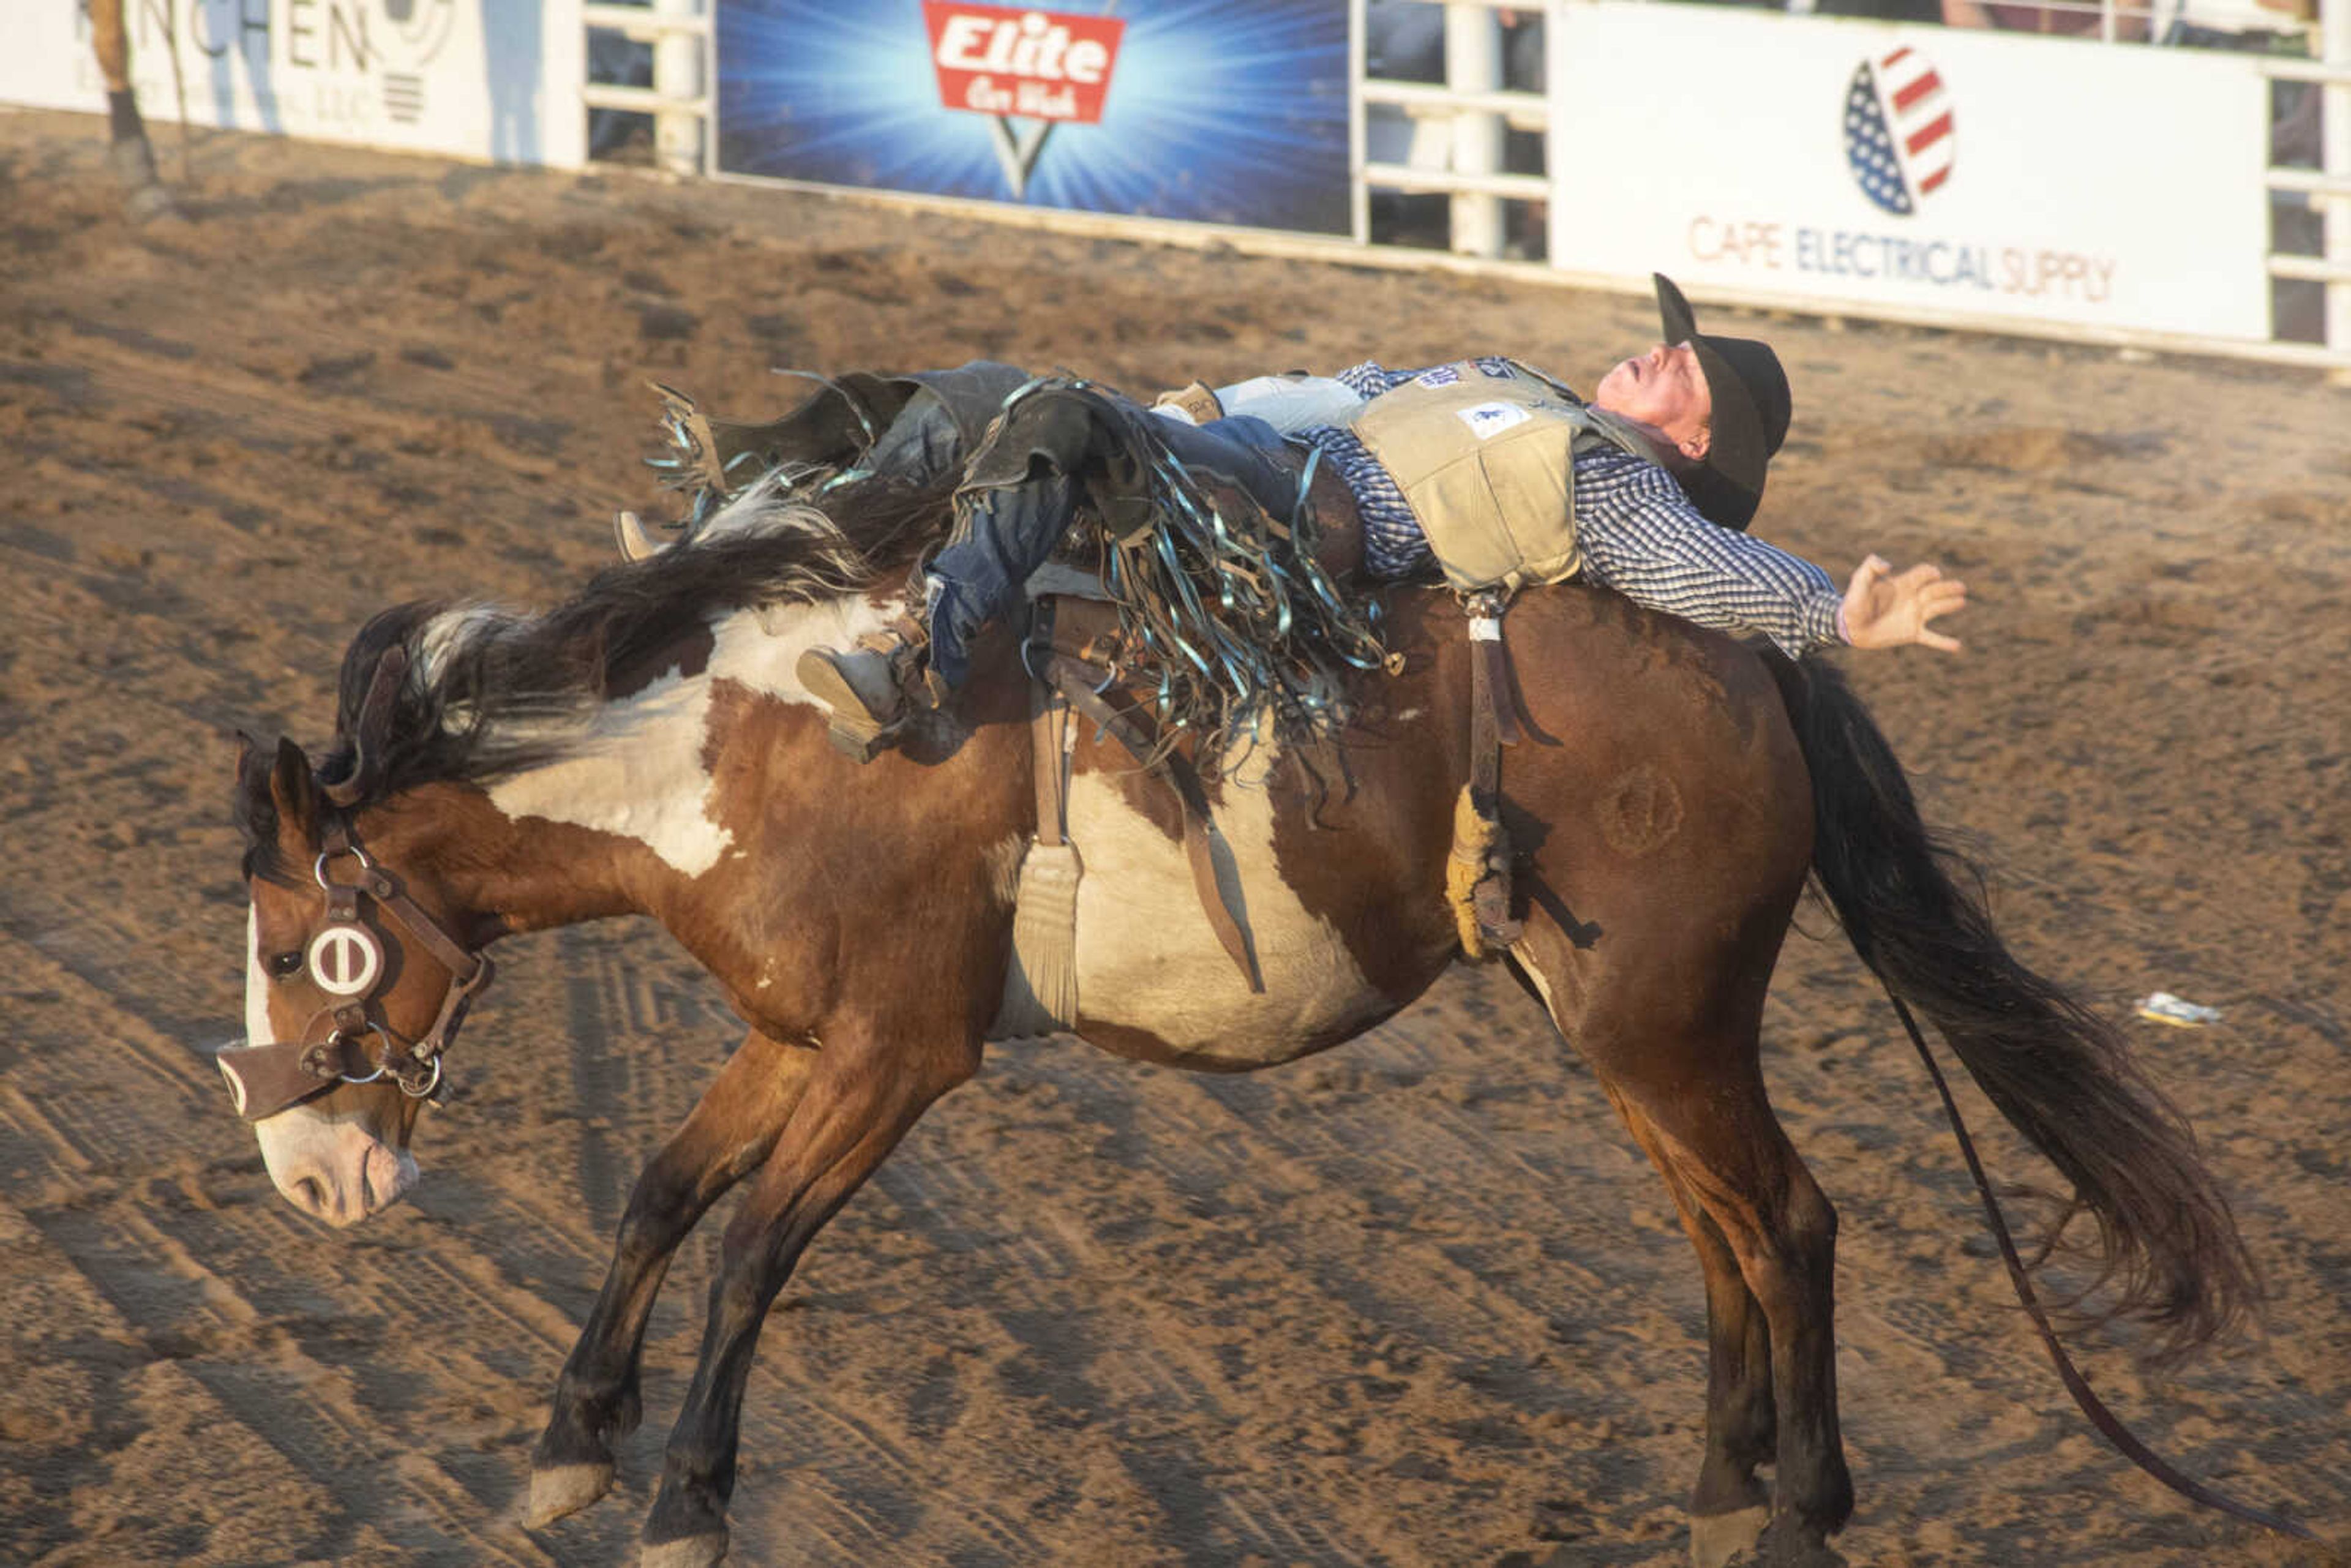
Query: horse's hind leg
point(863, 1093)
point(1728, 1507)
point(1719, 1139)
point(1679, 1059)
point(727, 1136)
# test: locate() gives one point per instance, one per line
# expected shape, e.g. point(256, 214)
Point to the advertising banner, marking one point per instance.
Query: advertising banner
point(1223, 112)
point(1922, 167)
point(497, 81)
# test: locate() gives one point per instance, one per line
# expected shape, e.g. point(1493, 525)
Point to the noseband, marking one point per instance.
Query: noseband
point(347, 961)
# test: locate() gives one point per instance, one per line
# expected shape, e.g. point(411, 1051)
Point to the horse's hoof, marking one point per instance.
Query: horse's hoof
point(150, 204)
point(693, 1552)
point(565, 1489)
point(1788, 1544)
point(1717, 1540)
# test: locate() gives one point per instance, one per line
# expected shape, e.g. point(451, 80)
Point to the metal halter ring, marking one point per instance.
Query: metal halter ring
point(319, 868)
point(366, 1028)
point(431, 1084)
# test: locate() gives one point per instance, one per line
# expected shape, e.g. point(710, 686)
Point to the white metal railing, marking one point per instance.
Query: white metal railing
point(1458, 127)
point(684, 45)
point(2332, 185)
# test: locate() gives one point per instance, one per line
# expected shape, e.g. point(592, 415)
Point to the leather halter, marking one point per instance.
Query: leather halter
point(347, 961)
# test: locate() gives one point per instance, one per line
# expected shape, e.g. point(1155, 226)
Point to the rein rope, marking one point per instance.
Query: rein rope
point(2109, 1425)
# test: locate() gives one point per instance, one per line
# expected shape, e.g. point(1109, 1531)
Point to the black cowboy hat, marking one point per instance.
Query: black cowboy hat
point(1750, 413)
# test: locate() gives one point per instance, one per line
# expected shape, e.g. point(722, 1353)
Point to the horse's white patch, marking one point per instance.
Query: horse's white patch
point(638, 770)
point(351, 1172)
point(1542, 983)
point(1148, 959)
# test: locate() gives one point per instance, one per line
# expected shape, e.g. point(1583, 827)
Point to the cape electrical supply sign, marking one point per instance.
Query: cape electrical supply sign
point(1225, 111)
point(1841, 161)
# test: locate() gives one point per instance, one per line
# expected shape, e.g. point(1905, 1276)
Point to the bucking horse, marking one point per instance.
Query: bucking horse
point(644, 750)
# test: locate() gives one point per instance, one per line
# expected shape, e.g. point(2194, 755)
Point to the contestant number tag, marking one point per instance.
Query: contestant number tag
point(345, 960)
point(1488, 420)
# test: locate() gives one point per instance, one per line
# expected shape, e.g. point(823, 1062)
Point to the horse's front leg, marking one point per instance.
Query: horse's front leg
point(866, 1088)
point(725, 1137)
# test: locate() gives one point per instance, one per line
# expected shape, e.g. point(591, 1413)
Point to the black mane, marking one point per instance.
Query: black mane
point(490, 691)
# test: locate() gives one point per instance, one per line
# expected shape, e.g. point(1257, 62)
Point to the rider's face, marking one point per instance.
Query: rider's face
point(1665, 388)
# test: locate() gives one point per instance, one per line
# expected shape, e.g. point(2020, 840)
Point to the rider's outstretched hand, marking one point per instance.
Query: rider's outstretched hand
point(1884, 610)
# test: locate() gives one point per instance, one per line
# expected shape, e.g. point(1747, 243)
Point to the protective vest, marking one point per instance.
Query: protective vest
point(1485, 460)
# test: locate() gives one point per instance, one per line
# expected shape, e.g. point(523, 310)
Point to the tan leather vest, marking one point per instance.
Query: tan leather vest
point(1487, 463)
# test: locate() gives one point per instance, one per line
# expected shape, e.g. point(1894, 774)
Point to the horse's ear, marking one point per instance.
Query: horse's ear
point(252, 799)
point(374, 728)
point(294, 789)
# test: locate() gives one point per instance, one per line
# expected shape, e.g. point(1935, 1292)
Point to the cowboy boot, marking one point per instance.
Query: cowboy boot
point(876, 688)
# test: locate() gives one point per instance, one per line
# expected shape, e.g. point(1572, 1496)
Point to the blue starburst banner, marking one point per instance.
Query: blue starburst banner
point(1218, 112)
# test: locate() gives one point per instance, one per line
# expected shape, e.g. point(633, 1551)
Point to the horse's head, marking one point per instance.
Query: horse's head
point(355, 979)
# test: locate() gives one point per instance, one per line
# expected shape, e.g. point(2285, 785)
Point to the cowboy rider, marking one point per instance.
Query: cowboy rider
point(1665, 475)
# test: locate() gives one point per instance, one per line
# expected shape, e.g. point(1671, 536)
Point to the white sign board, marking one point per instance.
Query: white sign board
point(1834, 161)
point(491, 79)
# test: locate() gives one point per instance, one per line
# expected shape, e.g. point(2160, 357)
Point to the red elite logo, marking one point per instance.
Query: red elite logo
point(1042, 65)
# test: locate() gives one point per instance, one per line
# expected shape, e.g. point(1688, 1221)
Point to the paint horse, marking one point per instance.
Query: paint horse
point(643, 749)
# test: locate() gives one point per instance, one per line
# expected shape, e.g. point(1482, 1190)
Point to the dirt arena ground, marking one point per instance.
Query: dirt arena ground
point(1416, 1301)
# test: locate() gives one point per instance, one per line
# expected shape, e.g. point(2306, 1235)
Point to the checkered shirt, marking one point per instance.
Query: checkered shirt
point(1638, 533)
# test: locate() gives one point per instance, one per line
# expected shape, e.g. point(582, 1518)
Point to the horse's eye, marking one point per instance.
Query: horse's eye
point(287, 964)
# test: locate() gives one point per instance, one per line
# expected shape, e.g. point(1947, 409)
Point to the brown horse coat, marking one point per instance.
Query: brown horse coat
point(646, 749)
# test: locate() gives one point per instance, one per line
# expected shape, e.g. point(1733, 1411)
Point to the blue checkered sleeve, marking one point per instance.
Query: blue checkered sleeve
point(1394, 545)
point(1370, 378)
point(1641, 536)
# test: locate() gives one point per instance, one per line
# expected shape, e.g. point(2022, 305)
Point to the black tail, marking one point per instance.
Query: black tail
point(2061, 1076)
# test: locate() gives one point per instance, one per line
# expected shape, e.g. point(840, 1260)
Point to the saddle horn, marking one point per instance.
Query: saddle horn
point(375, 723)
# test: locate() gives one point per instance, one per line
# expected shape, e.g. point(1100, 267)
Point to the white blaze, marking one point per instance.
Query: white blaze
point(256, 983)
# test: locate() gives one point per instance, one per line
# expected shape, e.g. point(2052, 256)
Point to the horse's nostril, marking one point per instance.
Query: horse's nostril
point(311, 1194)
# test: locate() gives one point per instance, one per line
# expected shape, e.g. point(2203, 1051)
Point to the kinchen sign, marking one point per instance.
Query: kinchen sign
point(1040, 65)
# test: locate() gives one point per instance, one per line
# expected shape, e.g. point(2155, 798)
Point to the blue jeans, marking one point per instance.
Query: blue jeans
point(1012, 531)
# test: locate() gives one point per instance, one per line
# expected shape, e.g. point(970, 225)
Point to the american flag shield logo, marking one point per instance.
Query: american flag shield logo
point(1899, 136)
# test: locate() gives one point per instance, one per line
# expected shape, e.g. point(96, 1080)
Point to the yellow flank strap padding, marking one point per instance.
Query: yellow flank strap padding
point(1474, 837)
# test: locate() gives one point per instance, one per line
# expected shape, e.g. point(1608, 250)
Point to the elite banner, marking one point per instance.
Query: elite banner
point(1224, 111)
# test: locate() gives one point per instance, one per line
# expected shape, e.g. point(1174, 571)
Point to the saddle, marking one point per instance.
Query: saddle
point(1074, 653)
